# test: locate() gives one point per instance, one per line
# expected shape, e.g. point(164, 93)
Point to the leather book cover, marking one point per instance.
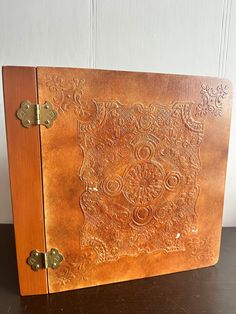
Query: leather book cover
point(133, 173)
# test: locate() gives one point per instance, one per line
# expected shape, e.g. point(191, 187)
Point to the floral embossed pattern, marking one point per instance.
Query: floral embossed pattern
point(212, 100)
point(141, 165)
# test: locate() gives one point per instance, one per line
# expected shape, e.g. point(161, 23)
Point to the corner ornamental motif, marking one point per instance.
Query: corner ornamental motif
point(212, 101)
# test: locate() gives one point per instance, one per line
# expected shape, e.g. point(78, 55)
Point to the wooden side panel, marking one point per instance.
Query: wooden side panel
point(25, 176)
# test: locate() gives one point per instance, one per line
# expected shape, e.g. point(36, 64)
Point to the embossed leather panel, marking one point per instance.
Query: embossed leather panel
point(133, 170)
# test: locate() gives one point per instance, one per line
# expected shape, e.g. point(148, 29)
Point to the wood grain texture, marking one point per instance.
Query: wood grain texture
point(25, 177)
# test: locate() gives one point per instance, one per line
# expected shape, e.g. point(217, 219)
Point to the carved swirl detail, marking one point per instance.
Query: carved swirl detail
point(172, 180)
point(112, 185)
point(142, 215)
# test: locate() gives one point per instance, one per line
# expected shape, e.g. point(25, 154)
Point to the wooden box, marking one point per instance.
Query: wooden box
point(114, 175)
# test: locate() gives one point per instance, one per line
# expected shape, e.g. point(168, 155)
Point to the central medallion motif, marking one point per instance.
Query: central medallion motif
point(143, 183)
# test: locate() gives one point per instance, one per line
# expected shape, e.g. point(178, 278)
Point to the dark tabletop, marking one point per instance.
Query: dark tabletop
point(210, 290)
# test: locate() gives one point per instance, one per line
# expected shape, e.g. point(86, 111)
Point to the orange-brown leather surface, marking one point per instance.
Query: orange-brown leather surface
point(134, 172)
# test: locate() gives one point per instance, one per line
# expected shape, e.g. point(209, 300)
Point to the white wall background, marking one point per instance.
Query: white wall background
point(174, 36)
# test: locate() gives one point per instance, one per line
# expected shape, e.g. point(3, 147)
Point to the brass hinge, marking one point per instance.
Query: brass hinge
point(38, 260)
point(35, 114)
